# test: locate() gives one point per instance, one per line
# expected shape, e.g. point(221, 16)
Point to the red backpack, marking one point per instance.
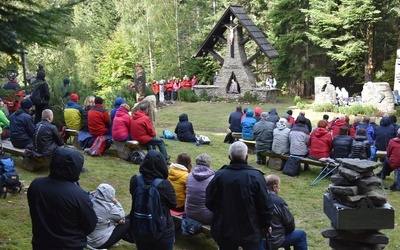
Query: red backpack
point(98, 147)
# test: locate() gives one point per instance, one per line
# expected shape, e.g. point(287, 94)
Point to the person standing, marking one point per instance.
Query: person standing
point(238, 197)
point(161, 89)
point(61, 211)
point(40, 97)
point(284, 233)
point(13, 103)
point(270, 82)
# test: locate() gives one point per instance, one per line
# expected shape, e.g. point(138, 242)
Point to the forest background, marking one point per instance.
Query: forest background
point(96, 43)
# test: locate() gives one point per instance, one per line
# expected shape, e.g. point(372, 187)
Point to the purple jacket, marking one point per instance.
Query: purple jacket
point(196, 185)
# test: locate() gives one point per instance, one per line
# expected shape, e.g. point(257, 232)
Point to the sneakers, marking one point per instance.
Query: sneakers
point(84, 170)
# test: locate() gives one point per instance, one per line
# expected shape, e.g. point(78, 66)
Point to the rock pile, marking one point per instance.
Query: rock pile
point(356, 208)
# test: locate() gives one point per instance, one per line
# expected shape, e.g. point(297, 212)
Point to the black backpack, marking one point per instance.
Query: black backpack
point(148, 221)
point(9, 178)
point(292, 166)
point(36, 95)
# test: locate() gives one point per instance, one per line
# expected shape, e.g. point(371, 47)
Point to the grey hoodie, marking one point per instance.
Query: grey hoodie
point(108, 214)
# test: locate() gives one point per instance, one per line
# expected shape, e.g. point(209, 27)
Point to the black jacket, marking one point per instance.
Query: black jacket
point(46, 138)
point(235, 121)
point(383, 133)
point(44, 91)
point(85, 126)
point(21, 128)
point(184, 129)
point(61, 211)
point(360, 148)
point(152, 167)
point(282, 221)
point(341, 146)
point(242, 207)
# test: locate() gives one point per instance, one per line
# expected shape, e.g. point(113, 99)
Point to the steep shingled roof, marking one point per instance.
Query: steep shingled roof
point(244, 20)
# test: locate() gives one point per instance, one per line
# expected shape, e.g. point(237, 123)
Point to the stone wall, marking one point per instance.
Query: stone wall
point(379, 95)
point(264, 95)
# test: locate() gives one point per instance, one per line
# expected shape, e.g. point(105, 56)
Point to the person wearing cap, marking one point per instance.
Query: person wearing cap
point(321, 141)
point(263, 134)
point(4, 122)
point(196, 185)
point(281, 143)
point(112, 225)
point(99, 119)
point(61, 212)
point(22, 126)
point(117, 103)
point(46, 139)
point(121, 129)
point(257, 113)
point(142, 130)
point(73, 113)
point(41, 102)
point(13, 103)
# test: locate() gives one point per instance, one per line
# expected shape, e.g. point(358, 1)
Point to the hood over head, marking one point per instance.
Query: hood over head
point(154, 165)
point(281, 124)
point(105, 192)
point(272, 111)
point(385, 121)
point(249, 113)
point(118, 101)
point(183, 117)
point(66, 164)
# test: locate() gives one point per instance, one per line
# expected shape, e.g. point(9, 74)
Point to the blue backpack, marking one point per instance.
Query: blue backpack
point(9, 178)
point(167, 134)
point(147, 219)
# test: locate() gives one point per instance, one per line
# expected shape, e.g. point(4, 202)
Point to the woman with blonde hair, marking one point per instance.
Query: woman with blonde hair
point(178, 174)
point(87, 105)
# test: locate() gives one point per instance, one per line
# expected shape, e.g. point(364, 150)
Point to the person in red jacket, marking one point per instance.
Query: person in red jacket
point(392, 162)
point(320, 141)
point(169, 87)
point(142, 130)
point(99, 119)
point(186, 83)
point(13, 102)
point(335, 126)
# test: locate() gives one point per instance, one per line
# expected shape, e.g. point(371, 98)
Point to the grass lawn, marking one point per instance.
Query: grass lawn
point(209, 119)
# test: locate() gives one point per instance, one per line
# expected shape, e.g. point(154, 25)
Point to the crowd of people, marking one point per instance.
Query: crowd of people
point(167, 90)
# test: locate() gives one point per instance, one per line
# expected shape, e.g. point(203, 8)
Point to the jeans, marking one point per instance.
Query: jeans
point(164, 244)
point(297, 238)
point(160, 144)
point(232, 246)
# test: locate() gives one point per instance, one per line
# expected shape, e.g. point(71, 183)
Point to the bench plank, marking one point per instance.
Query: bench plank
point(302, 159)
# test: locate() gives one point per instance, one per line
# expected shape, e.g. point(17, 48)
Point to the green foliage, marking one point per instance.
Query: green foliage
point(302, 105)
point(204, 96)
point(249, 98)
point(296, 99)
point(324, 107)
point(187, 95)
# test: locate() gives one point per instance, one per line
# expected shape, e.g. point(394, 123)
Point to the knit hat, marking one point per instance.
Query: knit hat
point(98, 100)
point(290, 112)
point(26, 103)
point(257, 111)
point(264, 115)
point(74, 97)
point(281, 124)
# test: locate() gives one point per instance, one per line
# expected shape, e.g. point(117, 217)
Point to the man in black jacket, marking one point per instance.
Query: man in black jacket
point(22, 127)
point(61, 212)
point(234, 120)
point(46, 138)
point(239, 199)
point(283, 233)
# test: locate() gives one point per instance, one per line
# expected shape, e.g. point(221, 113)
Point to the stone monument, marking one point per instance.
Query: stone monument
point(324, 90)
point(379, 95)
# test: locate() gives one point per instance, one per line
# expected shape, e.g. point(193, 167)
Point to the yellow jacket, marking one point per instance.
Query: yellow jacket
point(73, 118)
point(178, 175)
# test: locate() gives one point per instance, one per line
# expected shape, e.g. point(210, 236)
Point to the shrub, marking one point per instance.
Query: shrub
point(187, 95)
point(324, 107)
point(296, 99)
point(302, 105)
point(249, 97)
point(356, 109)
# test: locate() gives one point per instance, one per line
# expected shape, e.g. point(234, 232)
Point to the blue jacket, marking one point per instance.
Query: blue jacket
point(384, 133)
point(73, 105)
point(247, 125)
point(22, 128)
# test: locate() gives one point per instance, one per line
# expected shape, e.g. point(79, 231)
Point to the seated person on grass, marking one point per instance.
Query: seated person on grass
point(284, 233)
point(46, 139)
point(121, 129)
point(178, 175)
point(73, 113)
point(184, 129)
point(22, 126)
point(196, 185)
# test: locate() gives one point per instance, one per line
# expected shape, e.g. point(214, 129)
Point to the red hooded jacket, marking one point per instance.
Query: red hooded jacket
point(320, 143)
point(98, 120)
point(142, 129)
point(393, 153)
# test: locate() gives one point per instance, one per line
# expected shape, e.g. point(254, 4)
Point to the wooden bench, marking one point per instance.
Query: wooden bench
point(31, 163)
point(236, 135)
point(205, 229)
point(251, 145)
point(124, 149)
point(305, 160)
point(380, 154)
